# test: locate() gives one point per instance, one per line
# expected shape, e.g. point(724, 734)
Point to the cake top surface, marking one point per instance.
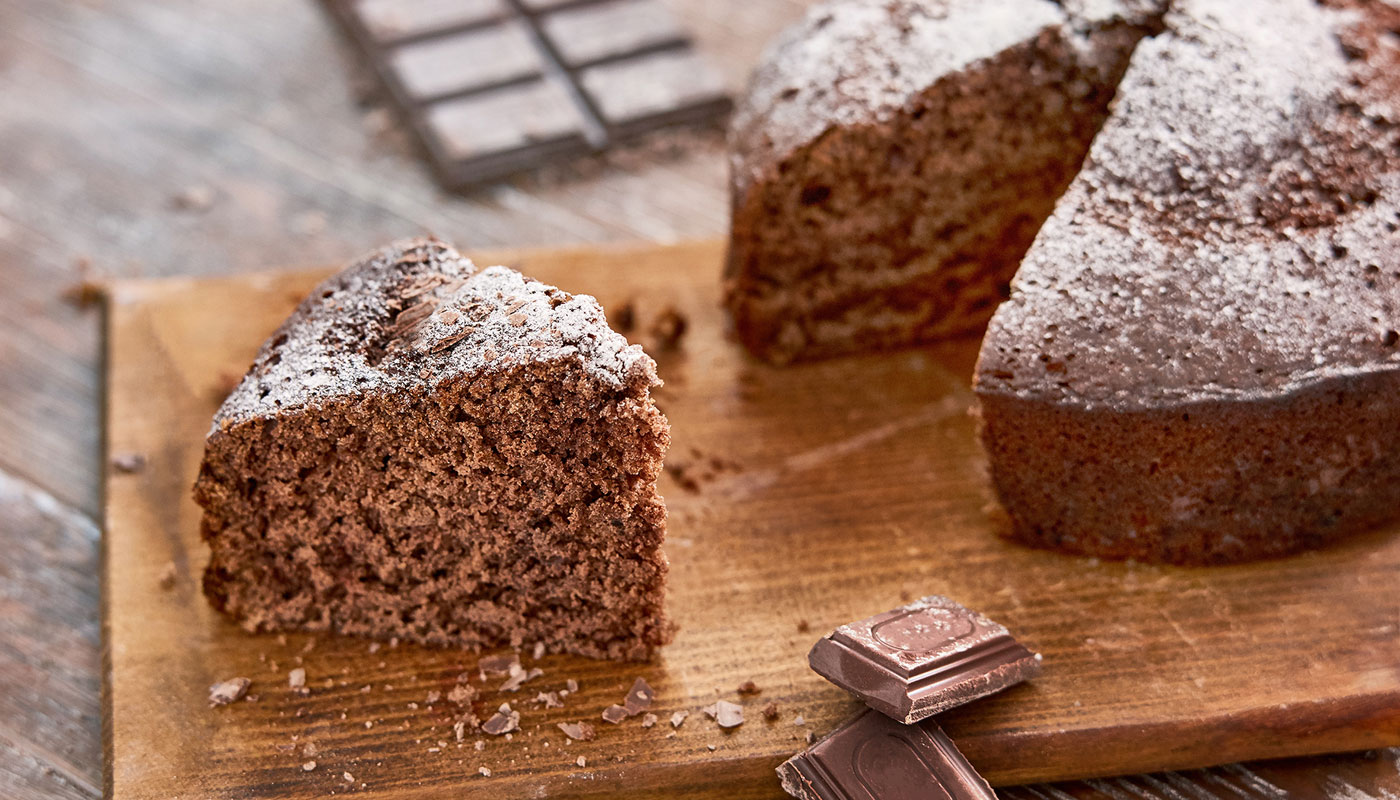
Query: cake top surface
point(417, 313)
point(858, 62)
point(1234, 231)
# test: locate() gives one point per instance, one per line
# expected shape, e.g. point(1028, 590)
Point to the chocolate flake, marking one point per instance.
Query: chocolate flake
point(549, 699)
point(678, 718)
point(225, 692)
point(725, 713)
point(615, 714)
point(504, 721)
point(580, 731)
point(581, 761)
point(638, 698)
point(518, 676)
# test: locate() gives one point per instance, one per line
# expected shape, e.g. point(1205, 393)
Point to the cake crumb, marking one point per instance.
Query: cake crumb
point(669, 328)
point(549, 700)
point(649, 720)
point(348, 777)
point(678, 718)
point(624, 317)
point(748, 687)
point(225, 692)
point(538, 652)
point(461, 694)
point(168, 576)
point(433, 696)
point(484, 772)
point(296, 680)
point(308, 766)
point(770, 712)
point(581, 761)
point(571, 685)
point(798, 720)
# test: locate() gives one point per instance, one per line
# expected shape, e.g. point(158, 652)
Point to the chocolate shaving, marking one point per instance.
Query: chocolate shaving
point(725, 713)
point(638, 698)
point(497, 665)
point(519, 676)
point(580, 731)
point(450, 341)
point(615, 714)
point(503, 721)
point(225, 692)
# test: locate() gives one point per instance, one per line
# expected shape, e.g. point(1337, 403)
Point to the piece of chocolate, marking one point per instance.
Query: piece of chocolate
point(922, 658)
point(492, 87)
point(872, 756)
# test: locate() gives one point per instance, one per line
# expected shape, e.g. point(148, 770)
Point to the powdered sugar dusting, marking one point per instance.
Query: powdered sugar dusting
point(858, 62)
point(1234, 231)
point(416, 313)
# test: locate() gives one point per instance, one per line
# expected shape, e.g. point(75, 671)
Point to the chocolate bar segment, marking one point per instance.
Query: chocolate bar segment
point(872, 756)
point(474, 59)
point(389, 20)
point(600, 31)
point(922, 658)
point(493, 87)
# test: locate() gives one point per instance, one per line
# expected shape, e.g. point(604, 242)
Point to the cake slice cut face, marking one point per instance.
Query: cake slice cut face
point(445, 454)
point(1199, 360)
point(893, 160)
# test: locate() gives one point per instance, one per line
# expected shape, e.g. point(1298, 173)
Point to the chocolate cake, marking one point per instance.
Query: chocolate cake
point(1200, 361)
point(893, 160)
point(445, 454)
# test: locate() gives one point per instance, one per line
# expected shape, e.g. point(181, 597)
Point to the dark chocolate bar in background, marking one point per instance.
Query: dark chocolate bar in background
point(874, 756)
point(922, 658)
point(493, 87)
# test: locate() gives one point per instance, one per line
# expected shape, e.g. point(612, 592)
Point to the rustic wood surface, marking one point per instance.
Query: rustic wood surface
point(114, 114)
point(800, 497)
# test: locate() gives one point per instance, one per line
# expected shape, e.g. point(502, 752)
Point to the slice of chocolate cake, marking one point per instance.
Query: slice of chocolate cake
point(446, 454)
point(893, 159)
point(1200, 360)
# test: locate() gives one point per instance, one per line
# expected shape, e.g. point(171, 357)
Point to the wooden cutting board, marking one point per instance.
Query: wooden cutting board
point(800, 498)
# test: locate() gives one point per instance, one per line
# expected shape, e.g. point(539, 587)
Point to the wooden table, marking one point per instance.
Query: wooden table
point(148, 137)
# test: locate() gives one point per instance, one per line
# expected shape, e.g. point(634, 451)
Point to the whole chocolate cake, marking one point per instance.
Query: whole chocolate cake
point(1200, 360)
point(1200, 357)
point(893, 160)
point(445, 454)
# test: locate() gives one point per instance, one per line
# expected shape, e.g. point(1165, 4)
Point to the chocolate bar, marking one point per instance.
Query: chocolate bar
point(872, 756)
point(492, 87)
point(922, 658)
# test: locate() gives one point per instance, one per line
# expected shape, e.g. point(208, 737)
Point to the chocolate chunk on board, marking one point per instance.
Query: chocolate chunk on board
point(923, 658)
point(874, 756)
point(494, 87)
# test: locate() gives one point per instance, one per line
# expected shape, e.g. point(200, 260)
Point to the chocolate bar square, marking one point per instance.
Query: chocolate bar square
point(388, 20)
point(871, 756)
point(653, 85)
point(461, 62)
point(922, 658)
point(598, 31)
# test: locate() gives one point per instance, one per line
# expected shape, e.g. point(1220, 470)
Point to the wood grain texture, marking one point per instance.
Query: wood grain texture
point(846, 487)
